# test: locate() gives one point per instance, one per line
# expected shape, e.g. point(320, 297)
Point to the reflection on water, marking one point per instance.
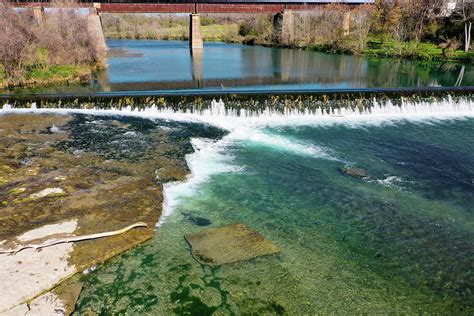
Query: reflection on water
point(170, 65)
point(196, 56)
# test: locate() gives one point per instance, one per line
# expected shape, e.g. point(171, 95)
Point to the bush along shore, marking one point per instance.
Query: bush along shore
point(424, 30)
point(54, 49)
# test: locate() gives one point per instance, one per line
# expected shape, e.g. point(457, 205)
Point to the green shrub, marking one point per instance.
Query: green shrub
point(246, 29)
point(2, 73)
point(42, 58)
point(207, 21)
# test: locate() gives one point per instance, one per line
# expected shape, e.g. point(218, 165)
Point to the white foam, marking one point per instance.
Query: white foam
point(132, 134)
point(209, 158)
point(389, 181)
point(279, 142)
point(218, 115)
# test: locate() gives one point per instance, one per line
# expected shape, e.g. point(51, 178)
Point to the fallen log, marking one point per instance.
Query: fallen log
point(56, 241)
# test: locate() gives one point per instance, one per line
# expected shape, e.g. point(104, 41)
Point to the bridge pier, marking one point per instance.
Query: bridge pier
point(38, 14)
point(346, 23)
point(94, 26)
point(195, 37)
point(284, 28)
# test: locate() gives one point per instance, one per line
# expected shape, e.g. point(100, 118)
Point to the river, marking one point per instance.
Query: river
point(170, 65)
point(398, 241)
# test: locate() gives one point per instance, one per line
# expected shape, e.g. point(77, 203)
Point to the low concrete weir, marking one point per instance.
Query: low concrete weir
point(245, 102)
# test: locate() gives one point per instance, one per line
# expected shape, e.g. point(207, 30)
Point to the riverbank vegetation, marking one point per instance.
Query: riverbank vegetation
point(424, 30)
point(54, 49)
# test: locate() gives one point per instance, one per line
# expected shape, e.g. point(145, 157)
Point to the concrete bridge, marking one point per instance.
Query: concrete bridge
point(282, 10)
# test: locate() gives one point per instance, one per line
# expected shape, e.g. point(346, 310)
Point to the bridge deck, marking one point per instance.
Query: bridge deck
point(201, 6)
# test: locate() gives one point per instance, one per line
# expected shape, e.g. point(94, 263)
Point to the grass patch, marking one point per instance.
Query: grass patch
point(3, 75)
point(58, 72)
point(218, 32)
point(209, 32)
point(378, 47)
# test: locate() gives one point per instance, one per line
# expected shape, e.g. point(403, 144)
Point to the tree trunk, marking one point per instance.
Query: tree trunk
point(467, 36)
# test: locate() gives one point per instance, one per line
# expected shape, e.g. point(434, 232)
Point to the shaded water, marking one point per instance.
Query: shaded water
point(169, 65)
point(400, 241)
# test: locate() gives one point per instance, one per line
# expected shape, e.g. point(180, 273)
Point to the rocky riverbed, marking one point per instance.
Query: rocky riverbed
point(74, 175)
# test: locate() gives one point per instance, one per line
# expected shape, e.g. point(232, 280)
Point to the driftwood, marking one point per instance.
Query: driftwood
point(56, 241)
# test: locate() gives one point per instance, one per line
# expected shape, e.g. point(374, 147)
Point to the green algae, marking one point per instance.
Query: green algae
point(16, 190)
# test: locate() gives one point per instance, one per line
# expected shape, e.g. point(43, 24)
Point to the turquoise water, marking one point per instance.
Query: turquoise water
point(400, 241)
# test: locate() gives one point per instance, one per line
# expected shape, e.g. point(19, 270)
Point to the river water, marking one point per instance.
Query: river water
point(170, 65)
point(399, 241)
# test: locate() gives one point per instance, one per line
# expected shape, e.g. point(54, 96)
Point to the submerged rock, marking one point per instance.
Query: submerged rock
point(228, 244)
point(196, 220)
point(354, 172)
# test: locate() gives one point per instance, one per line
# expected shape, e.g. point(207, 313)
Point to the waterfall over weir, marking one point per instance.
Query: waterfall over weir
point(456, 102)
point(408, 107)
point(261, 105)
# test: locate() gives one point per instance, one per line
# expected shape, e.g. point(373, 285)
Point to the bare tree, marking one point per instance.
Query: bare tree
point(361, 21)
point(399, 24)
point(464, 14)
point(422, 12)
point(16, 38)
point(332, 28)
point(59, 40)
point(406, 19)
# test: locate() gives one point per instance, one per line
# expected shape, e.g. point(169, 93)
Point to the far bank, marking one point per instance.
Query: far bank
point(411, 30)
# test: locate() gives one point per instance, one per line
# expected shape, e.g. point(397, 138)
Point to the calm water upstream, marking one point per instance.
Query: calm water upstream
point(169, 65)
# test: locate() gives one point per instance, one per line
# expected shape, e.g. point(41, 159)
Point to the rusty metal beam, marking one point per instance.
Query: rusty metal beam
point(185, 7)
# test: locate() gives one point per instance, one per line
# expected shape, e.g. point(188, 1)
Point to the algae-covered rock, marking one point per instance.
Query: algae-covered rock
point(69, 294)
point(86, 170)
point(354, 172)
point(228, 244)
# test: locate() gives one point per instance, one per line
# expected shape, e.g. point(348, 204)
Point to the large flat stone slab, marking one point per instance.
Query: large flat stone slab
point(29, 272)
point(228, 244)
